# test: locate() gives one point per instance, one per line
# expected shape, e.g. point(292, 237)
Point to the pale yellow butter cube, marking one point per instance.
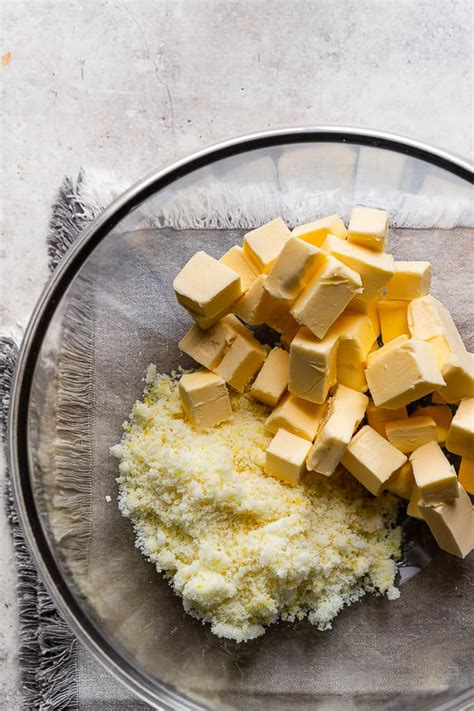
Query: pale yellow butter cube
point(372, 460)
point(236, 325)
point(368, 308)
point(205, 287)
point(458, 372)
point(375, 268)
point(460, 439)
point(326, 296)
point(466, 474)
point(207, 347)
point(272, 381)
point(344, 413)
point(242, 361)
point(435, 477)
point(430, 321)
point(288, 335)
point(373, 355)
point(451, 523)
point(313, 365)
point(428, 318)
point(204, 398)
point(402, 482)
point(352, 376)
point(409, 433)
point(236, 259)
point(403, 374)
point(410, 280)
point(281, 320)
point(316, 232)
point(356, 337)
point(442, 416)
point(438, 399)
point(263, 245)
point(256, 304)
point(393, 319)
point(205, 322)
point(377, 417)
point(292, 270)
point(285, 456)
point(413, 509)
point(296, 415)
point(374, 348)
point(368, 227)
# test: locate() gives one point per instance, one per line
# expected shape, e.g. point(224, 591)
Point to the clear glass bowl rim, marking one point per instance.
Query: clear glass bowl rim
point(157, 694)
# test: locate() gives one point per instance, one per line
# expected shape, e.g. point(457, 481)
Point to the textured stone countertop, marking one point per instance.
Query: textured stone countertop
point(129, 85)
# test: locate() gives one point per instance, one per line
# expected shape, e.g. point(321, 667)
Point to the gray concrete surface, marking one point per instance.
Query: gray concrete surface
point(129, 85)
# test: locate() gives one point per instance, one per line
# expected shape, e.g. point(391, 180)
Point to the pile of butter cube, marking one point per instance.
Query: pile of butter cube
point(351, 320)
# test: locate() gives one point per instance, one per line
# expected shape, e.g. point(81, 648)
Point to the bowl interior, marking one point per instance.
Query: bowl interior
point(119, 314)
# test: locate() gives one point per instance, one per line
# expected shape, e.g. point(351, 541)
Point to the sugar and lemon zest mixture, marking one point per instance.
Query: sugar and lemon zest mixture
point(243, 549)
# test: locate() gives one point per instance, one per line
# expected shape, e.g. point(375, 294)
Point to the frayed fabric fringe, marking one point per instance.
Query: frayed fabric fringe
point(72, 459)
point(47, 647)
point(48, 651)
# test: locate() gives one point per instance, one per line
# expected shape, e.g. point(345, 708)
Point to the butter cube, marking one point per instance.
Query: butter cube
point(272, 380)
point(256, 304)
point(466, 474)
point(458, 372)
point(352, 376)
point(285, 456)
point(410, 280)
point(393, 319)
point(375, 268)
point(377, 417)
point(205, 322)
point(403, 374)
point(204, 398)
point(356, 338)
point(344, 413)
point(438, 399)
point(281, 320)
point(428, 318)
point(287, 336)
point(430, 321)
point(368, 308)
point(296, 415)
point(241, 362)
point(292, 270)
point(435, 477)
point(263, 245)
point(413, 509)
point(326, 296)
point(372, 460)
point(452, 524)
point(236, 259)
point(409, 433)
point(374, 348)
point(373, 355)
point(313, 365)
point(207, 347)
point(205, 287)
point(460, 439)
point(368, 227)
point(442, 416)
point(316, 232)
point(402, 482)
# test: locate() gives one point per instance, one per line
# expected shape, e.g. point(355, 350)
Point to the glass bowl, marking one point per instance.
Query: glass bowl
point(107, 312)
